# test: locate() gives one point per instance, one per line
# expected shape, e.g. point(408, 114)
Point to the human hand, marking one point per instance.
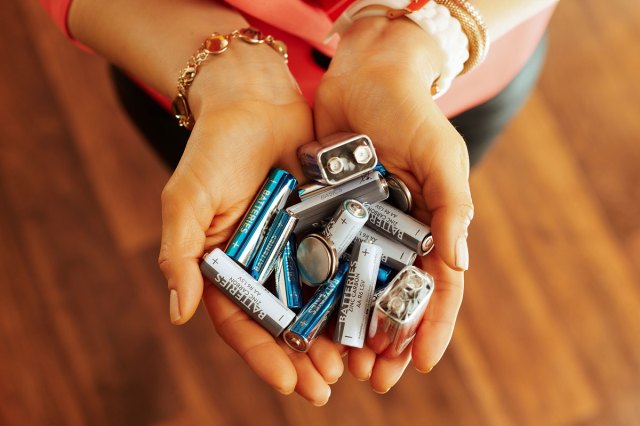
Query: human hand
point(246, 122)
point(379, 84)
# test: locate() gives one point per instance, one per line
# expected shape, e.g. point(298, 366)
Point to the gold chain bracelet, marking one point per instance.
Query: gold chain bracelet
point(215, 44)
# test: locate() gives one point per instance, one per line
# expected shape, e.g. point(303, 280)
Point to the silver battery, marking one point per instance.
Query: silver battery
point(317, 260)
point(376, 295)
point(399, 194)
point(351, 327)
point(399, 226)
point(309, 189)
point(394, 255)
point(273, 245)
point(337, 158)
point(247, 293)
point(318, 254)
point(398, 311)
point(313, 210)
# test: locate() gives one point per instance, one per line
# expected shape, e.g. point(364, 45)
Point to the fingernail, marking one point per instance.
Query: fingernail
point(381, 392)
point(363, 379)
point(284, 391)
point(174, 306)
point(320, 404)
point(336, 379)
point(462, 254)
point(424, 371)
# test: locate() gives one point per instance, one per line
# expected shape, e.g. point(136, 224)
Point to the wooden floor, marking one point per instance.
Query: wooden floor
point(549, 332)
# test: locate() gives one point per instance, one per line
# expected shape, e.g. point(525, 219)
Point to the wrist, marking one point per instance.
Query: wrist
point(398, 45)
point(243, 73)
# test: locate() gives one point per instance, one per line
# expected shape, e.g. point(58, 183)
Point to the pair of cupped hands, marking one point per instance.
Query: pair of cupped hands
point(250, 117)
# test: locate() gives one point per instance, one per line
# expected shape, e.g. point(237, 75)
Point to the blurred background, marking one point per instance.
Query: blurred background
point(549, 332)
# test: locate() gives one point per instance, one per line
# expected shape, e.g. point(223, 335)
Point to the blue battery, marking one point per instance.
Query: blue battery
point(380, 169)
point(288, 288)
point(314, 317)
point(272, 246)
point(271, 198)
point(385, 275)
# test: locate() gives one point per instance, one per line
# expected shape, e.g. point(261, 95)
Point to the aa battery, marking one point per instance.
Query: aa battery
point(385, 275)
point(315, 315)
point(272, 245)
point(246, 292)
point(398, 311)
point(381, 169)
point(318, 254)
point(345, 224)
point(337, 158)
point(394, 255)
point(399, 226)
point(307, 190)
point(356, 297)
point(270, 199)
point(288, 288)
point(368, 189)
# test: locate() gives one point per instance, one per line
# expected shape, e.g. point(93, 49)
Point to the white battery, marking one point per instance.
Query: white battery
point(344, 225)
point(394, 255)
point(351, 325)
point(246, 292)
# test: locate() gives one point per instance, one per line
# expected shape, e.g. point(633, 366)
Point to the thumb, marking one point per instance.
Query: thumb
point(445, 188)
point(182, 244)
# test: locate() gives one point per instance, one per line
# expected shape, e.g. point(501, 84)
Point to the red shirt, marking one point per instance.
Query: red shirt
point(282, 18)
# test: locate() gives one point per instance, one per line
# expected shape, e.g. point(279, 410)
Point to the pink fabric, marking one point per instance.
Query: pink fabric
point(505, 59)
point(302, 26)
point(58, 10)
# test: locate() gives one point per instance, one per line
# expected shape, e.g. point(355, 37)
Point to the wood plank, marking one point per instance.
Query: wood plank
point(592, 86)
point(123, 171)
point(594, 291)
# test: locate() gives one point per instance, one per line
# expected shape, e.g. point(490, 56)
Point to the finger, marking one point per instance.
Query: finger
point(361, 362)
point(443, 171)
point(435, 330)
point(253, 343)
point(327, 359)
point(310, 385)
point(387, 371)
point(180, 251)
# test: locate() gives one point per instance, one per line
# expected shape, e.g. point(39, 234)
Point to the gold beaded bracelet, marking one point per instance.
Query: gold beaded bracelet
point(215, 44)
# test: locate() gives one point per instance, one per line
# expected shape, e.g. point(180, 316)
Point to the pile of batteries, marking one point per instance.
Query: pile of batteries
point(341, 237)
